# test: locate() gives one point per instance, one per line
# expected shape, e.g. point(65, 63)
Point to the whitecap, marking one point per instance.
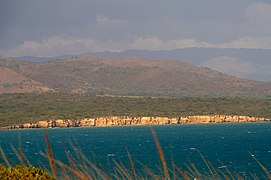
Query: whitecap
point(111, 155)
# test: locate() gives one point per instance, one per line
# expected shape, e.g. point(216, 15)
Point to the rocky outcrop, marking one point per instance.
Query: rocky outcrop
point(131, 120)
point(87, 122)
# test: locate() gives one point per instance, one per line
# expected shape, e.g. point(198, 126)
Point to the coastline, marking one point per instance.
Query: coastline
point(136, 120)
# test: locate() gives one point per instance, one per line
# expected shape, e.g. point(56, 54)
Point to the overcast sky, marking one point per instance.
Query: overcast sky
point(57, 27)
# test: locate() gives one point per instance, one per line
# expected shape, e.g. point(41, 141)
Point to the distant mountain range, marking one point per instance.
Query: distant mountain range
point(247, 63)
point(123, 76)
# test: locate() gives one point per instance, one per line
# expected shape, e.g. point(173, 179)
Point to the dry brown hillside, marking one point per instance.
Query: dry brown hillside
point(12, 82)
point(134, 76)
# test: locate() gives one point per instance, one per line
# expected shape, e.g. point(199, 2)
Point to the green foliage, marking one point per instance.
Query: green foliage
point(21, 108)
point(22, 172)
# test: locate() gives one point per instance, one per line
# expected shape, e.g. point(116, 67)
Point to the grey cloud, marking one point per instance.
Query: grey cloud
point(124, 22)
point(259, 18)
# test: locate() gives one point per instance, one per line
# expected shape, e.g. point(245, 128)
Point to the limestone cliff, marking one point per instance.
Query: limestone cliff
point(131, 120)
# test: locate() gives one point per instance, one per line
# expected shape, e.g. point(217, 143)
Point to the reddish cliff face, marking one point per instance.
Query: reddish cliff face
point(127, 120)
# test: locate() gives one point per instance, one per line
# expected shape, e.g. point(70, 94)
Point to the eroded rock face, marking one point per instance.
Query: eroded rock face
point(132, 120)
point(43, 124)
point(64, 123)
point(87, 122)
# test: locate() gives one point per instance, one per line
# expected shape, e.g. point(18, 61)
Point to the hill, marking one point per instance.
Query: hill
point(253, 63)
point(12, 82)
point(134, 76)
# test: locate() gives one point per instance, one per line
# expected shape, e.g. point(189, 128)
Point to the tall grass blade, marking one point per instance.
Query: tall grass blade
point(98, 162)
point(195, 170)
point(183, 173)
point(173, 171)
point(50, 153)
point(122, 171)
point(132, 165)
point(206, 163)
point(213, 169)
point(161, 154)
point(192, 173)
point(71, 170)
point(20, 149)
point(74, 172)
point(254, 176)
point(227, 170)
point(4, 157)
point(17, 155)
point(262, 166)
point(148, 171)
point(71, 160)
point(222, 174)
point(239, 177)
point(99, 172)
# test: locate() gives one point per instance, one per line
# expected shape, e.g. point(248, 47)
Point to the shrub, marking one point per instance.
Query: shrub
point(23, 172)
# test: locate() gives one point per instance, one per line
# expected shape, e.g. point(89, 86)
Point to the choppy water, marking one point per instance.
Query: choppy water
point(228, 143)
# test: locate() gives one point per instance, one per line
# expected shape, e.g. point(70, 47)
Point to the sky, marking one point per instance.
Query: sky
point(58, 27)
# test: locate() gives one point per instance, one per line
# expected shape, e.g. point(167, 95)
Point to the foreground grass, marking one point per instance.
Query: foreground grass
point(22, 108)
point(81, 167)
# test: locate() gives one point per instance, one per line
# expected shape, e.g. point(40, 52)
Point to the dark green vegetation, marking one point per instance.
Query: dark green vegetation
point(23, 172)
point(123, 76)
point(21, 108)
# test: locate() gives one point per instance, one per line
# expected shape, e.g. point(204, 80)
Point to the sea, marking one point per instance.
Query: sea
point(233, 146)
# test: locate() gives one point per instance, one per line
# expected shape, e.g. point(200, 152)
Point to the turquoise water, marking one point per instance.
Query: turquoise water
point(228, 143)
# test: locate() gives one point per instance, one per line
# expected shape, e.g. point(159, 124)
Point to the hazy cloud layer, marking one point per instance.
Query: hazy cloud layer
point(231, 65)
point(239, 67)
point(49, 28)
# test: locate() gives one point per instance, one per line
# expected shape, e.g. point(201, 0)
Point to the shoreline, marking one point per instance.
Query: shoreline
point(136, 120)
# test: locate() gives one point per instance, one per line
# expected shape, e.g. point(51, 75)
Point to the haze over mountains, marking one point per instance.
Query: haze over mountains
point(126, 76)
point(247, 63)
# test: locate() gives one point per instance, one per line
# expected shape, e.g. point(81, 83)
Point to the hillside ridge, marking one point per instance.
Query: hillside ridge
point(133, 77)
point(12, 82)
